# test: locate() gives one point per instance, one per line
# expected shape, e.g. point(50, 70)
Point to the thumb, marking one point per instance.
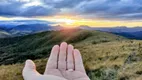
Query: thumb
point(29, 70)
point(30, 65)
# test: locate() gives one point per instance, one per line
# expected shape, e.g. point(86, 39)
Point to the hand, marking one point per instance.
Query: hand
point(64, 63)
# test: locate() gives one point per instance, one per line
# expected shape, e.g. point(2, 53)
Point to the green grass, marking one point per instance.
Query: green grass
point(106, 56)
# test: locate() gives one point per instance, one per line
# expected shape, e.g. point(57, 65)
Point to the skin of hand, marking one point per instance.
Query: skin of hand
point(64, 63)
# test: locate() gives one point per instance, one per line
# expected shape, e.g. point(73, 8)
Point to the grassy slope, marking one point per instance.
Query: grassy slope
point(106, 56)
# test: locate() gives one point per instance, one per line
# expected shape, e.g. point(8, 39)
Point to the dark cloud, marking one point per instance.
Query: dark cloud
point(38, 11)
point(7, 9)
point(111, 9)
point(106, 9)
point(11, 8)
point(67, 3)
point(63, 3)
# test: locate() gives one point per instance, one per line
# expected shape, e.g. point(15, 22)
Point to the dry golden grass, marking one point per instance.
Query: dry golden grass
point(14, 72)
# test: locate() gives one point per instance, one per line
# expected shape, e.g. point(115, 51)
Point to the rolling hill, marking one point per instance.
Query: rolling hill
point(4, 34)
point(131, 33)
point(106, 56)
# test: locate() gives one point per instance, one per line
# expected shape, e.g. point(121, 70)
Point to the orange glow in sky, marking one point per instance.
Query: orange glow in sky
point(74, 21)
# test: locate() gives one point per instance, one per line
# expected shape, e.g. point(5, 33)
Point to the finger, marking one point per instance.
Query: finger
point(62, 56)
point(70, 61)
point(29, 70)
point(78, 61)
point(52, 61)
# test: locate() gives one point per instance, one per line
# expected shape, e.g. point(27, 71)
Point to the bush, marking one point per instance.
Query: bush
point(103, 74)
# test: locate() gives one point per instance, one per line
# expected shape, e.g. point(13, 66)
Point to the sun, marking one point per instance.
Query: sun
point(69, 21)
point(65, 21)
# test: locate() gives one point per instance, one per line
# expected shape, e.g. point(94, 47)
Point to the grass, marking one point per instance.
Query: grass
point(106, 56)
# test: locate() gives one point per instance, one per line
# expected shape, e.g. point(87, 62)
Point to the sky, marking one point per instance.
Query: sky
point(73, 13)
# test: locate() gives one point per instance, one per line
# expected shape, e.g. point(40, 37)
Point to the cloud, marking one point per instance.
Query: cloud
point(66, 3)
point(25, 8)
point(111, 9)
point(100, 9)
point(31, 8)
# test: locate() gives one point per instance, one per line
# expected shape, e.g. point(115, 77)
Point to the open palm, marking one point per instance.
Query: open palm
point(65, 63)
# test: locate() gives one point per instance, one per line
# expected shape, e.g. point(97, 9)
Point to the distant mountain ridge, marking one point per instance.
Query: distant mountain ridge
point(13, 23)
point(132, 33)
point(113, 29)
point(4, 34)
point(31, 28)
point(25, 27)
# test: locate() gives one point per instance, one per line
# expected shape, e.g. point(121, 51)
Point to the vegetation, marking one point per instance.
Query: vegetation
point(106, 56)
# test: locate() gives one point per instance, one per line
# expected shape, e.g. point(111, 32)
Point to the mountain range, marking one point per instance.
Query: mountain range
point(132, 33)
point(25, 27)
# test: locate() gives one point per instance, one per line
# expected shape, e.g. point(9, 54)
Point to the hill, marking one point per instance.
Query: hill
point(38, 45)
point(4, 34)
point(106, 56)
point(131, 33)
